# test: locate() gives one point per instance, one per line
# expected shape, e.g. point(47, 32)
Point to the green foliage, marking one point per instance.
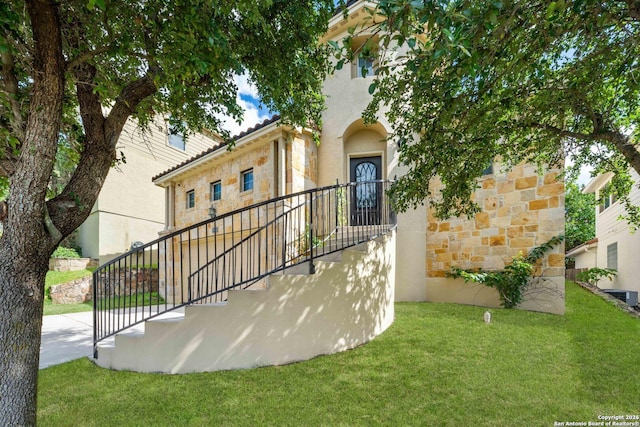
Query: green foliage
point(191, 50)
point(513, 280)
point(514, 80)
point(595, 274)
point(62, 252)
point(580, 216)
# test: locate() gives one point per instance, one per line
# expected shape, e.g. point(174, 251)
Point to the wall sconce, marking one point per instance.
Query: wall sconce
point(212, 212)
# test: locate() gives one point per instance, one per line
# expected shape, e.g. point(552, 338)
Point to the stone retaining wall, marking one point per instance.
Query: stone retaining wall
point(75, 292)
point(68, 264)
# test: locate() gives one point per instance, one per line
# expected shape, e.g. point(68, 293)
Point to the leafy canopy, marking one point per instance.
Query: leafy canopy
point(466, 81)
point(580, 216)
point(189, 50)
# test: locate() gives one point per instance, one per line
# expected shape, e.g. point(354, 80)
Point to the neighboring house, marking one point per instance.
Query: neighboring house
point(521, 210)
point(585, 255)
point(130, 208)
point(618, 246)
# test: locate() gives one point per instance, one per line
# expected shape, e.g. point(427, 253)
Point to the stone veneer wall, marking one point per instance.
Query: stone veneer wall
point(228, 172)
point(520, 210)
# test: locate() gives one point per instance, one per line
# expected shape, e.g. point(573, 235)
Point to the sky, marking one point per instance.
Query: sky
point(248, 99)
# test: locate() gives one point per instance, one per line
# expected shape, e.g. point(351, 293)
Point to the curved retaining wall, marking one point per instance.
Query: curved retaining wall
point(344, 305)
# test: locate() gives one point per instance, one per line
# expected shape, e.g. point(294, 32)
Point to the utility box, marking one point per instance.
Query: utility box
point(630, 297)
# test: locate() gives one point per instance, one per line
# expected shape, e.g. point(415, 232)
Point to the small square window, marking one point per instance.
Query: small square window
point(247, 180)
point(191, 199)
point(216, 190)
point(488, 170)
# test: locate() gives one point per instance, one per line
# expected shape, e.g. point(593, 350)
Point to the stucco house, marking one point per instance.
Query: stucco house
point(292, 245)
point(617, 244)
point(130, 208)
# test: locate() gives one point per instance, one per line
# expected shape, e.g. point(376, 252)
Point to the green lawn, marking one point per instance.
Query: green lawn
point(438, 365)
point(56, 278)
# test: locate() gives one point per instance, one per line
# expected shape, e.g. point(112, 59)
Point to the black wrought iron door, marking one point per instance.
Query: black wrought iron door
point(365, 174)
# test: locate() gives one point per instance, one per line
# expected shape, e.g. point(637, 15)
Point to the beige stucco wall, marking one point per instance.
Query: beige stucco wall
point(343, 305)
point(130, 207)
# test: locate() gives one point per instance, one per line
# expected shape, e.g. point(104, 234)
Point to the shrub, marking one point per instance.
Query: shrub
point(62, 252)
point(593, 275)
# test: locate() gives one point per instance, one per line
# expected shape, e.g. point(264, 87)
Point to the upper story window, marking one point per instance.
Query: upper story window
point(175, 134)
point(365, 66)
point(191, 199)
point(608, 200)
point(246, 182)
point(216, 190)
point(366, 49)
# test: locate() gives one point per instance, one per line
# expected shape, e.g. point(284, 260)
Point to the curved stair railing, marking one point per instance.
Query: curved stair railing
point(238, 250)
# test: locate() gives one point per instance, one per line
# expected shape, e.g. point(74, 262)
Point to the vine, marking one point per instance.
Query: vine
point(516, 276)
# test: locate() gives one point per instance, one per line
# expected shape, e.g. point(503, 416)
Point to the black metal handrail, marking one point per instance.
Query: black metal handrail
point(201, 263)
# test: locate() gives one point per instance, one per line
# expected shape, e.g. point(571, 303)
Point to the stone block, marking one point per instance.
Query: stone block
point(550, 178)
point(433, 226)
point(554, 202)
point(497, 241)
point(525, 218)
point(444, 226)
point(521, 242)
point(551, 189)
point(535, 205)
point(488, 184)
point(489, 232)
point(517, 231)
point(527, 195)
point(490, 203)
point(68, 264)
point(556, 260)
point(505, 187)
point(526, 182)
point(482, 220)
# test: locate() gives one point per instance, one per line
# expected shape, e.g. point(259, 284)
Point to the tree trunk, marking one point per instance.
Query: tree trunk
point(21, 314)
point(28, 240)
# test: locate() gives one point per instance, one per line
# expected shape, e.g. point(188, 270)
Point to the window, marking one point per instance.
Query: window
point(609, 199)
point(216, 190)
point(191, 199)
point(176, 137)
point(488, 170)
point(612, 256)
point(247, 180)
point(365, 66)
point(366, 48)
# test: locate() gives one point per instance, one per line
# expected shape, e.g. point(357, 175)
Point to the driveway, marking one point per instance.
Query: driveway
point(66, 337)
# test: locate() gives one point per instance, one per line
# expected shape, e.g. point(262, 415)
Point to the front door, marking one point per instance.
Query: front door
point(365, 173)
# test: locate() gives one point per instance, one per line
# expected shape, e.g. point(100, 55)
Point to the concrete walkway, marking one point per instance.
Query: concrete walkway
point(66, 337)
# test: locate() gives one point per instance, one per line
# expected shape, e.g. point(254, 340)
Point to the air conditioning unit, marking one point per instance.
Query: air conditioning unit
point(630, 297)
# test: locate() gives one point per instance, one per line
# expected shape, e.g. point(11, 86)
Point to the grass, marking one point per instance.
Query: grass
point(59, 277)
point(438, 364)
point(135, 300)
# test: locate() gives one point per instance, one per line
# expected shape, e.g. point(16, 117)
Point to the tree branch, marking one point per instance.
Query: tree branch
point(86, 56)
point(126, 103)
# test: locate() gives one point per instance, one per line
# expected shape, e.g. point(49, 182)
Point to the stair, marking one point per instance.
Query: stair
point(296, 316)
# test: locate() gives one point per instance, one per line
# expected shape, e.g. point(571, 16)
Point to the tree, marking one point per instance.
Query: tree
point(580, 216)
point(76, 71)
point(523, 80)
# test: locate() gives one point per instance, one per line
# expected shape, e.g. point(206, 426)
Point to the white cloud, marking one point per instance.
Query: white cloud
point(252, 114)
